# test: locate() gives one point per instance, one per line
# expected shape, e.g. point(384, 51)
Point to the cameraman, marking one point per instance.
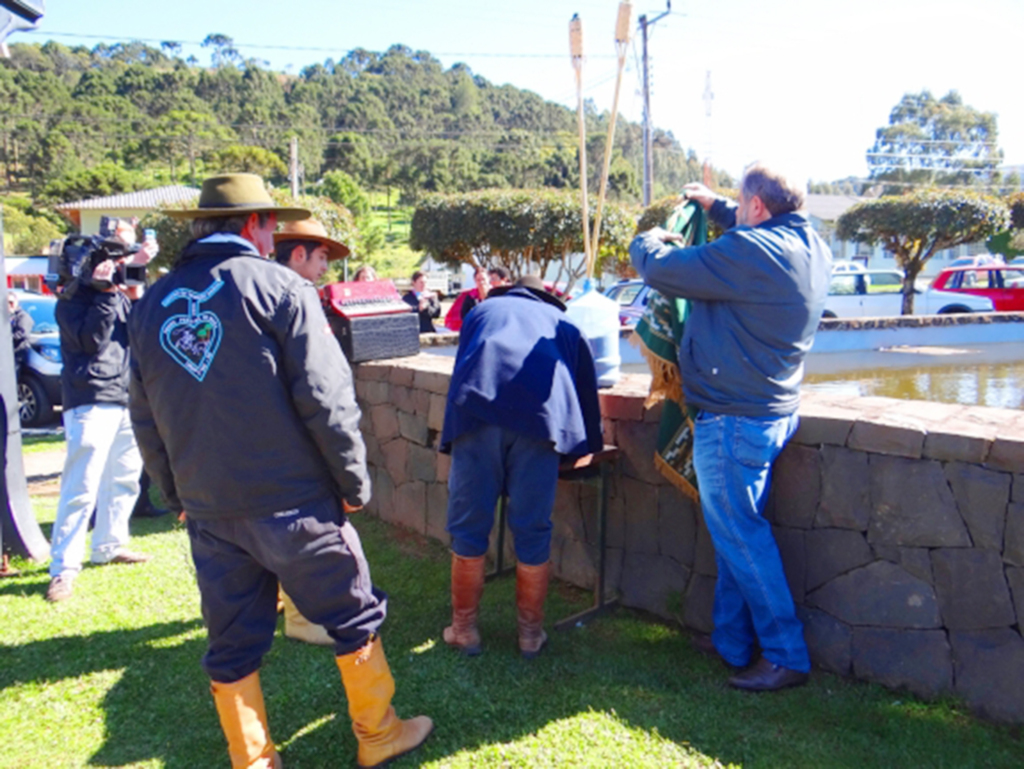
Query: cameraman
point(102, 467)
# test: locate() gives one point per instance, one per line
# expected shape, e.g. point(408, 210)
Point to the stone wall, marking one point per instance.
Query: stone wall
point(901, 526)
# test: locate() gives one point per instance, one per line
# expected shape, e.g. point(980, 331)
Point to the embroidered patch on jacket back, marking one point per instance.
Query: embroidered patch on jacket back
point(192, 340)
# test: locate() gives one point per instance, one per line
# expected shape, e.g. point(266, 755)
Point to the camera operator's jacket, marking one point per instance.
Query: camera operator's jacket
point(93, 345)
point(241, 399)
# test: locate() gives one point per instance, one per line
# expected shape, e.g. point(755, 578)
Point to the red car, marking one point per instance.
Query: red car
point(1003, 284)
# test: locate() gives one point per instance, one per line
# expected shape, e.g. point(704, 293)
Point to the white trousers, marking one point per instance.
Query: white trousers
point(101, 472)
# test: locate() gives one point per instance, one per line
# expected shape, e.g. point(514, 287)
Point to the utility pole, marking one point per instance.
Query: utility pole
point(293, 165)
point(647, 127)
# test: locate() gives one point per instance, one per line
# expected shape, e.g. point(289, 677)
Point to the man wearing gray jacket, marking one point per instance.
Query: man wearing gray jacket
point(756, 296)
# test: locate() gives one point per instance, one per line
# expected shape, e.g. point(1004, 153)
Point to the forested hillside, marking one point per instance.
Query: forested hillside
point(79, 121)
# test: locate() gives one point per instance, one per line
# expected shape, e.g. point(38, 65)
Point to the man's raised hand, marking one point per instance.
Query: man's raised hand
point(701, 194)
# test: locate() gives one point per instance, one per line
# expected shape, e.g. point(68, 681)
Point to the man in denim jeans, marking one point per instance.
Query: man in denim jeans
point(756, 295)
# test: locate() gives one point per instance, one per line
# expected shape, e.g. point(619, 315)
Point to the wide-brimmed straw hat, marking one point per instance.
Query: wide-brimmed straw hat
point(311, 229)
point(535, 286)
point(236, 195)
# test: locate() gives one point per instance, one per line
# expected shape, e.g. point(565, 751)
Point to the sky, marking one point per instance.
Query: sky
point(801, 85)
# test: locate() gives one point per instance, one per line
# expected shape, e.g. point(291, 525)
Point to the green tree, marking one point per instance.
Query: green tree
point(523, 230)
point(98, 181)
point(352, 153)
point(343, 190)
point(28, 230)
point(914, 227)
point(224, 52)
point(239, 158)
point(1010, 242)
point(934, 141)
point(189, 134)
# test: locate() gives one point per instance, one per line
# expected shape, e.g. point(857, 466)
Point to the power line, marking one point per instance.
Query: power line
point(973, 142)
point(306, 48)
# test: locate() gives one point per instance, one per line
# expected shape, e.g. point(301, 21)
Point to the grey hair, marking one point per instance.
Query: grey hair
point(777, 194)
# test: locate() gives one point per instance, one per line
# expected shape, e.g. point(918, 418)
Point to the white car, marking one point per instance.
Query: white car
point(845, 266)
point(878, 294)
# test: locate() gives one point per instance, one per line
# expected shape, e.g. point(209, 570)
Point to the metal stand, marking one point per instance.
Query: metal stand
point(592, 467)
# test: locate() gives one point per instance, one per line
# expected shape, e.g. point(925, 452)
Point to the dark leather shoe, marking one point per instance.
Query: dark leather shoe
point(703, 644)
point(764, 676)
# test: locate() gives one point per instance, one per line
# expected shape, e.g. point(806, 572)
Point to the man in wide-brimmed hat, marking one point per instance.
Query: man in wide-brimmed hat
point(245, 413)
point(523, 392)
point(305, 247)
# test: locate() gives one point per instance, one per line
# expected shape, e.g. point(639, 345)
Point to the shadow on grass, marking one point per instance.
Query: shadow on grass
point(149, 711)
point(649, 677)
point(644, 675)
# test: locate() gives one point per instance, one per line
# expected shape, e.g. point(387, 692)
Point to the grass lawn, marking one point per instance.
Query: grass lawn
point(37, 444)
point(395, 259)
point(112, 678)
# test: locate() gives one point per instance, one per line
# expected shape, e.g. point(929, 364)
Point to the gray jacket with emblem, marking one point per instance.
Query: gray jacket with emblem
point(756, 297)
point(241, 399)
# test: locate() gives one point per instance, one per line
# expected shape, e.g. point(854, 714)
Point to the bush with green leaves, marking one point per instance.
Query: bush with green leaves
point(28, 230)
point(1015, 203)
point(915, 227)
point(99, 181)
point(523, 230)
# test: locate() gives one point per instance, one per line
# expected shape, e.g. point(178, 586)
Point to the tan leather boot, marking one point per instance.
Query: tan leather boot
point(382, 735)
point(243, 718)
point(301, 629)
point(467, 587)
point(531, 591)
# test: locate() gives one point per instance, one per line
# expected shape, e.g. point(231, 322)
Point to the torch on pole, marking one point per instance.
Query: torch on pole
point(622, 26)
point(576, 50)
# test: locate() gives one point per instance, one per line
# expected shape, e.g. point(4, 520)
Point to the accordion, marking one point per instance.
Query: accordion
point(371, 321)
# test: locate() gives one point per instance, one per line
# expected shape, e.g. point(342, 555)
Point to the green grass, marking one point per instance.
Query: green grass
point(112, 678)
point(395, 259)
point(38, 444)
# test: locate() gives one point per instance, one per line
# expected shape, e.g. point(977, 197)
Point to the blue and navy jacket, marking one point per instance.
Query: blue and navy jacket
point(524, 366)
point(756, 297)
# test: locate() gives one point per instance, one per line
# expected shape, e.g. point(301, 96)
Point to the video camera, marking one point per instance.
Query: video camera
point(80, 255)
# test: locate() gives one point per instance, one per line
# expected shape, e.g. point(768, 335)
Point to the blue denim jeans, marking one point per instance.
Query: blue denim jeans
point(733, 457)
point(101, 472)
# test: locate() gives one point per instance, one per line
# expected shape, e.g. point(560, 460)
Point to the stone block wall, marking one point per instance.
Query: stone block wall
point(900, 523)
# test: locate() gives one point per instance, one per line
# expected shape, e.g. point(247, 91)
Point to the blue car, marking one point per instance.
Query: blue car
point(39, 379)
point(632, 297)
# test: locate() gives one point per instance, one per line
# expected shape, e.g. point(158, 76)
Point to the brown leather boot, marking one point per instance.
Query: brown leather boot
point(467, 587)
point(243, 717)
point(382, 735)
point(531, 591)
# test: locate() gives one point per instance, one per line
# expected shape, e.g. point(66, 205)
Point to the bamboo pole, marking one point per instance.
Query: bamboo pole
point(576, 49)
point(622, 26)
